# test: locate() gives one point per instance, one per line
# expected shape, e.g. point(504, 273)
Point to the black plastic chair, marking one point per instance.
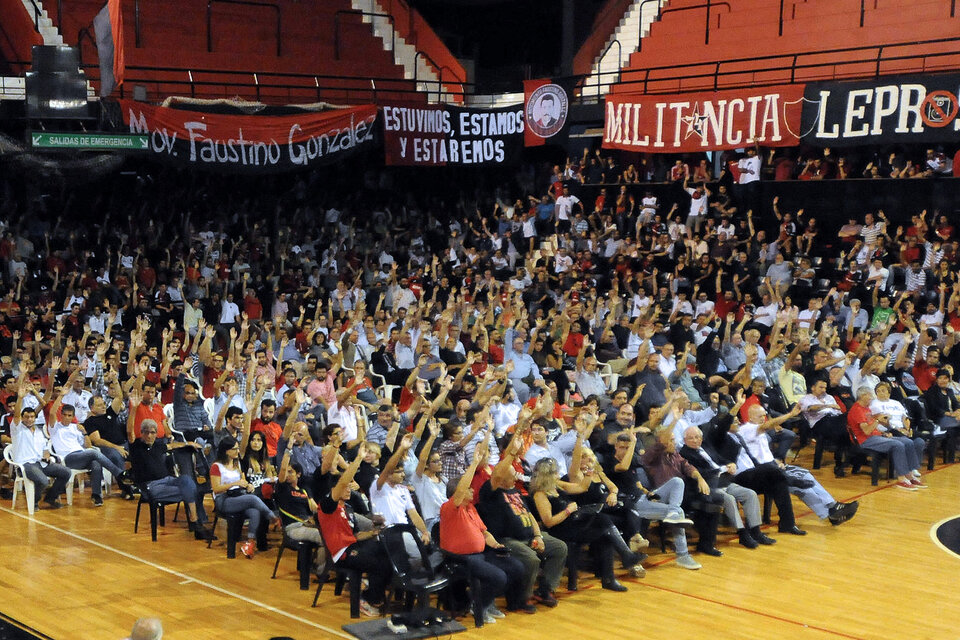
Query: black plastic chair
point(858, 455)
point(417, 581)
point(343, 575)
point(305, 552)
point(157, 511)
point(234, 530)
point(458, 571)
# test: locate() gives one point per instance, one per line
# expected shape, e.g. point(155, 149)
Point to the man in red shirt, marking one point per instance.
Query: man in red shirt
point(867, 429)
point(462, 532)
point(264, 424)
point(925, 371)
point(147, 407)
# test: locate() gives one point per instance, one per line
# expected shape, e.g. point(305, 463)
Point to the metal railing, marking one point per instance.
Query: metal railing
point(438, 81)
point(36, 15)
point(357, 12)
point(602, 55)
point(266, 5)
point(257, 84)
point(793, 64)
point(84, 32)
point(643, 3)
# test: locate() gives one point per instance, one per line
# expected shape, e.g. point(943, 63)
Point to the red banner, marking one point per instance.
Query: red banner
point(704, 121)
point(116, 30)
point(251, 143)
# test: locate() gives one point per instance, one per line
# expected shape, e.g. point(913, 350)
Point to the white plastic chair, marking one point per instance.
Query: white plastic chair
point(609, 377)
point(168, 413)
point(20, 481)
point(384, 390)
point(77, 475)
point(209, 406)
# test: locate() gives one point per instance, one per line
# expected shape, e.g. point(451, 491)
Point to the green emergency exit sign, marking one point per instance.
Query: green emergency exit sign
point(90, 141)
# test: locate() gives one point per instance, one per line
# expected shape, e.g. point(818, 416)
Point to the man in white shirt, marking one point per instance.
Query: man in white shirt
point(698, 205)
point(826, 420)
point(391, 498)
point(649, 206)
point(542, 448)
point(31, 451)
point(79, 398)
point(748, 187)
point(877, 275)
point(565, 206)
point(766, 313)
point(505, 413)
point(752, 434)
point(807, 319)
point(933, 318)
point(69, 441)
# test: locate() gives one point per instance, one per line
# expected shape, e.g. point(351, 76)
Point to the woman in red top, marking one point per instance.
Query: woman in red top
point(361, 550)
point(463, 533)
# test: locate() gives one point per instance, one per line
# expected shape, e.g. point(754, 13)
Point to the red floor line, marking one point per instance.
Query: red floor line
point(746, 610)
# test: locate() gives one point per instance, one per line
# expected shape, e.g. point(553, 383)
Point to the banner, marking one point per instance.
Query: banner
point(546, 110)
point(893, 109)
point(245, 143)
point(704, 121)
point(448, 135)
point(108, 25)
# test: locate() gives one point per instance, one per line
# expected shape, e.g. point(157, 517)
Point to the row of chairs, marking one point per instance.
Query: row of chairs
point(23, 484)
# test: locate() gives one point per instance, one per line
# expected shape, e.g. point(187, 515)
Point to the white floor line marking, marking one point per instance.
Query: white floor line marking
point(184, 576)
point(936, 540)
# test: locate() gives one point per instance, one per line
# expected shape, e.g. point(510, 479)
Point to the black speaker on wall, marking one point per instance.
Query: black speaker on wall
point(56, 88)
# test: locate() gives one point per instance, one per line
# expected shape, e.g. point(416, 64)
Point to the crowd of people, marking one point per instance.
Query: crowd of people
point(780, 164)
point(515, 378)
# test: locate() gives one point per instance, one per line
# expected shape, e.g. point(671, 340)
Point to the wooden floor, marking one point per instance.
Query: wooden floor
point(82, 573)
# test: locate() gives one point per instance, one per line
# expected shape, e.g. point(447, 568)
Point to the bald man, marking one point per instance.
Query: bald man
point(146, 629)
point(802, 482)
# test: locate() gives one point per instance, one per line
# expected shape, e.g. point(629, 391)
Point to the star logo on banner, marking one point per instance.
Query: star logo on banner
point(695, 123)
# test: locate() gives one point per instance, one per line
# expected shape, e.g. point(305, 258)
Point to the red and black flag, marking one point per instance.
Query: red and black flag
point(108, 25)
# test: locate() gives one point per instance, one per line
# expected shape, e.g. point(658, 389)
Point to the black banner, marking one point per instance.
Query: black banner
point(893, 109)
point(447, 135)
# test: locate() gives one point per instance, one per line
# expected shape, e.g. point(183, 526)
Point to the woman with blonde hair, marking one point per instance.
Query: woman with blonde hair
point(563, 518)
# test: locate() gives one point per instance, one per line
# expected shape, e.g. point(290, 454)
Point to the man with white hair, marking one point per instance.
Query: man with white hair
point(867, 428)
point(720, 479)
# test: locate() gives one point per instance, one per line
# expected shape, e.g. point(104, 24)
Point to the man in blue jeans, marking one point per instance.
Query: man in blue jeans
point(148, 457)
point(662, 503)
point(30, 451)
point(69, 440)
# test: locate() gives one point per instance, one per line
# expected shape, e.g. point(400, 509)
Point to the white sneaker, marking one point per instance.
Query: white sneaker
point(677, 519)
point(937, 431)
point(368, 609)
point(494, 612)
point(916, 473)
point(638, 542)
point(687, 562)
